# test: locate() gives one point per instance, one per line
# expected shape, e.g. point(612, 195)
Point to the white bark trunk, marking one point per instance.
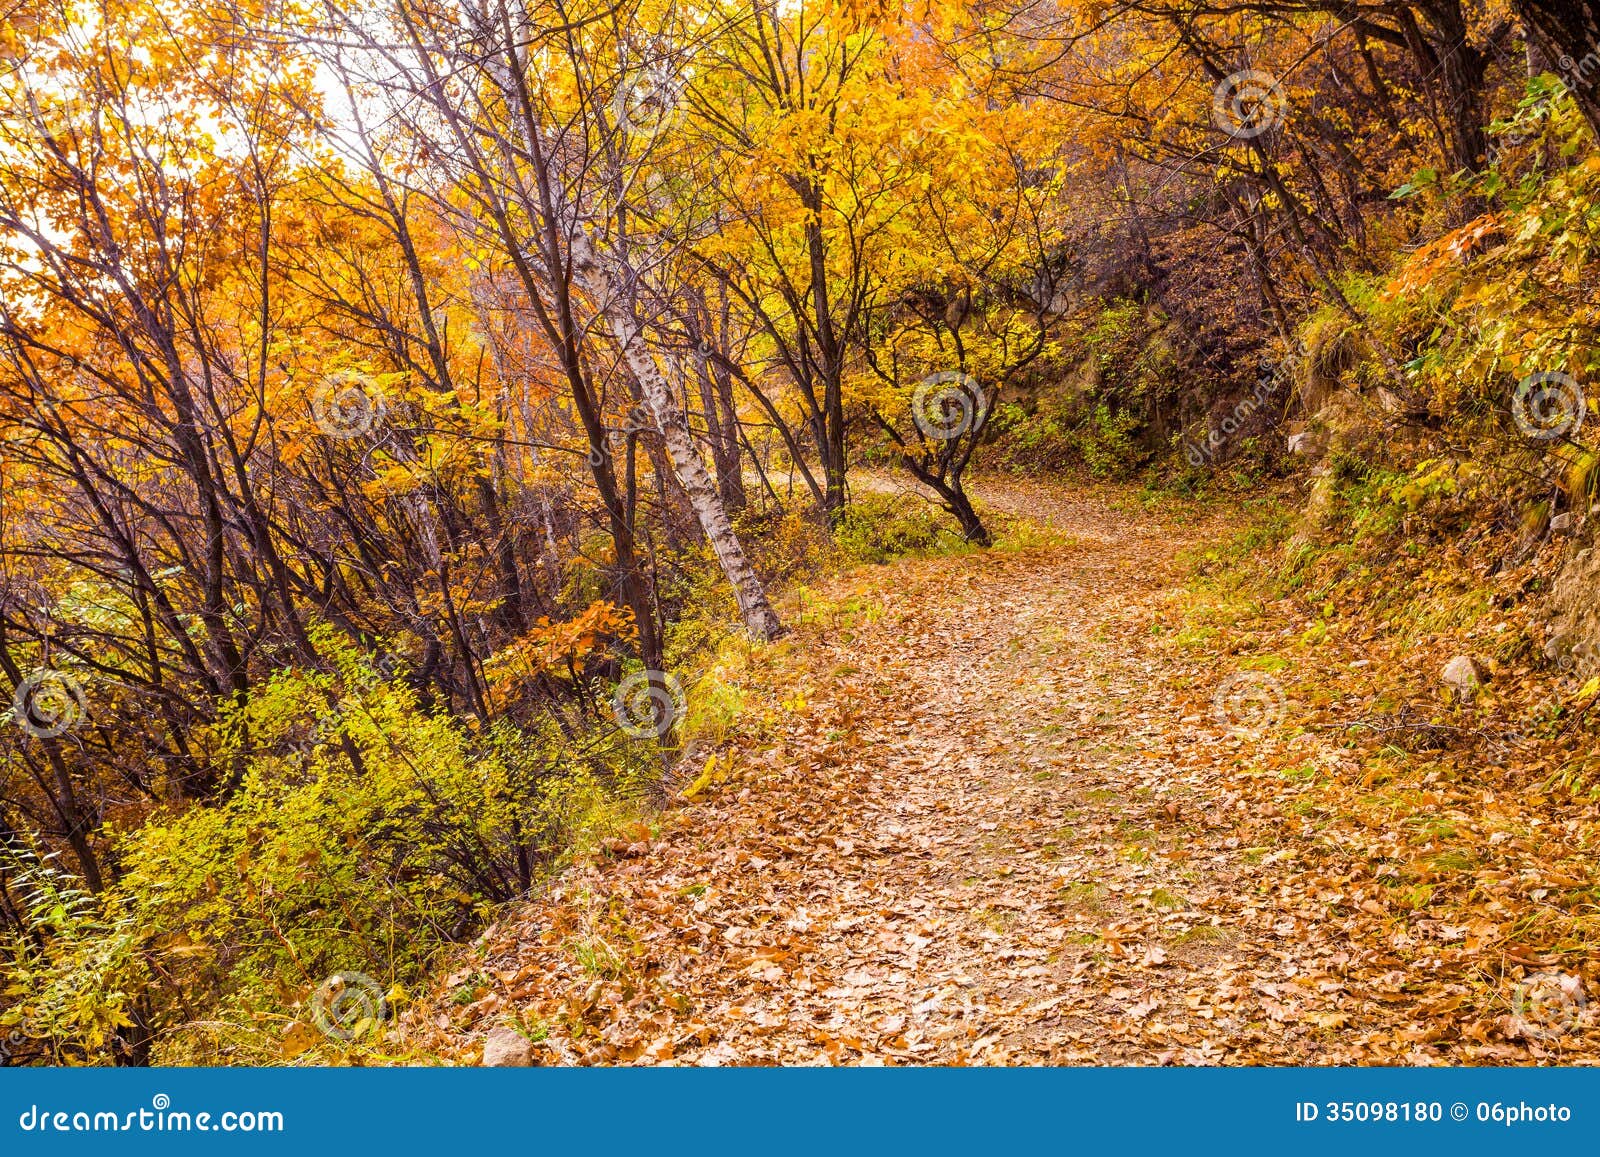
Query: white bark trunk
point(616, 293)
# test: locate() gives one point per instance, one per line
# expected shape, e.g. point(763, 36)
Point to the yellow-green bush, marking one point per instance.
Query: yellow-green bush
point(878, 528)
point(364, 833)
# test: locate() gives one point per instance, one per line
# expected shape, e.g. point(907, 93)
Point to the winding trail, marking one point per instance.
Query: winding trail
point(980, 815)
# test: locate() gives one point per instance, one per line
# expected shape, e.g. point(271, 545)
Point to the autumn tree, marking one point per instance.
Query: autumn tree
point(543, 161)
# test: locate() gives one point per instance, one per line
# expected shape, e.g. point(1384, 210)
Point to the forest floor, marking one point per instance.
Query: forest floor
point(988, 808)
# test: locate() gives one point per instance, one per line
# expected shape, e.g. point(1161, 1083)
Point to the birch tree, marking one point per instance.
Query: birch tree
point(525, 111)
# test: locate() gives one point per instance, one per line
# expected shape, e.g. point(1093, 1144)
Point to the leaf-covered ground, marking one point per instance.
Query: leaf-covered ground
point(988, 808)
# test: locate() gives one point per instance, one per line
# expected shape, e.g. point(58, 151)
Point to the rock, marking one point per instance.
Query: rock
point(1565, 523)
point(1301, 444)
point(506, 1048)
point(1570, 654)
point(1575, 612)
point(1464, 674)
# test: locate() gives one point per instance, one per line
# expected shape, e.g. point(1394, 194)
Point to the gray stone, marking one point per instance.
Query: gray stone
point(506, 1048)
point(1464, 674)
point(1565, 523)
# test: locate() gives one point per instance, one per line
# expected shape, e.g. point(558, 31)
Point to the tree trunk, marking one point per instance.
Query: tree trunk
point(972, 527)
point(953, 497)
point(1443, 51)
point(958, 504)
point(722, 430)
point(618, 295)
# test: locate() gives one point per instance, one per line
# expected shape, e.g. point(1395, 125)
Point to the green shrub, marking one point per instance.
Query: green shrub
point(71, 977)
point(878, 528)
point(364, 834)
point(1105, 440)
point(1026, 441)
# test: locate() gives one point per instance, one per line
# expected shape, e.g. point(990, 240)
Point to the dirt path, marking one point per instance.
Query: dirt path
point(987, 821)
